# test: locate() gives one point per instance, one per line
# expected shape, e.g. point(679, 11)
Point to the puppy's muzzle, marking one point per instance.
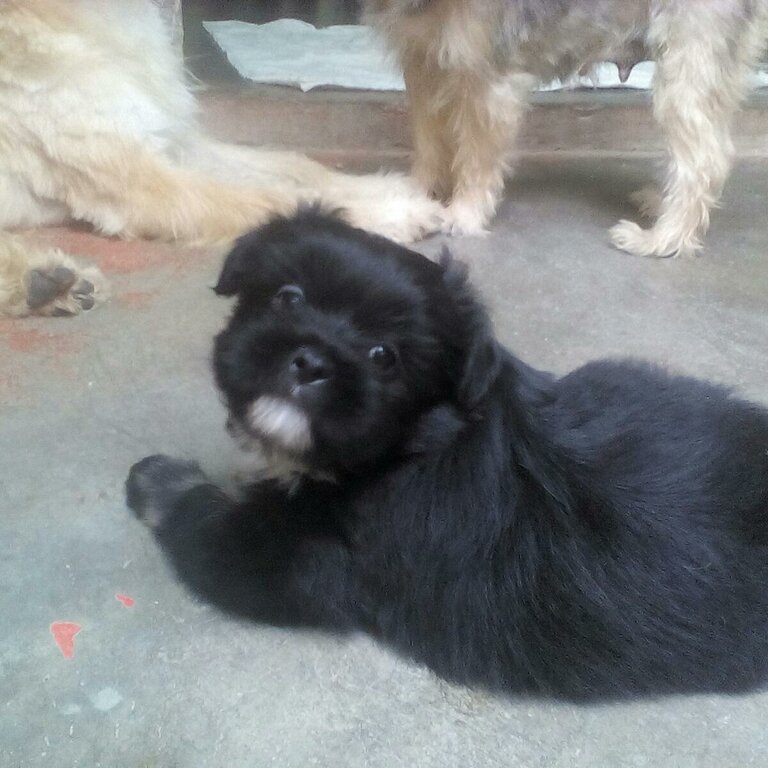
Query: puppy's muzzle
point(307, 374)
point(309, 367)
point(279, 422)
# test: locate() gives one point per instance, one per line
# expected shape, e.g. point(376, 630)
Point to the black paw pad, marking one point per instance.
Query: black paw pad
point(44, 286)
point(63, 277)
point(83, 294)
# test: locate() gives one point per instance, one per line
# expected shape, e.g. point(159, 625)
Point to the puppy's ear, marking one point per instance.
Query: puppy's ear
point(266, 254)
point(482, 365)
point(236, 265)
point(256, 259)
point(480, 355)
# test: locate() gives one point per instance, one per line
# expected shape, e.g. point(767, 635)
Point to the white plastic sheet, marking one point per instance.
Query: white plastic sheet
point(291, 52)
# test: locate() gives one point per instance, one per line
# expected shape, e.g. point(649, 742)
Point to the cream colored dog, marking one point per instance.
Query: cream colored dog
point(97, 124)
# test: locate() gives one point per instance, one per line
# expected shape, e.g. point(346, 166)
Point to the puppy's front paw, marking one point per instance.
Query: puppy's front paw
point(155, 484)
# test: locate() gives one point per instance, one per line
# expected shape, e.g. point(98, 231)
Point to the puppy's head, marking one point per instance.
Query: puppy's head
point(341, 341)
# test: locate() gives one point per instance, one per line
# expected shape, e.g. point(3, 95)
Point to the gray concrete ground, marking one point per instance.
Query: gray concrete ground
point(169, 683)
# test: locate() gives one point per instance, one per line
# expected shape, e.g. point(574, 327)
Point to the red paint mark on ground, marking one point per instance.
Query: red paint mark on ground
point(64, 634)
point(19, 337)
point(135, 299)
point(25, 339)
point(127, 258)
point(128, 602)
point(115, 256)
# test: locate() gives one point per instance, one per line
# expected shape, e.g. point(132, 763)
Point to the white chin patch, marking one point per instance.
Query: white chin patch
point(281, 422)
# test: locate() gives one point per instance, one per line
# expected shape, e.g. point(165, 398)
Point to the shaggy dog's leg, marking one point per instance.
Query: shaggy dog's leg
point(465, 106)
point(701, 78)
point(272, 563)
point(434, 146)
point(483, 116)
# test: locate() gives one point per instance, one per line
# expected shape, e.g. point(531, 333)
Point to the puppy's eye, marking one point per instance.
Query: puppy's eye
point(382, 356)
point(288, 296)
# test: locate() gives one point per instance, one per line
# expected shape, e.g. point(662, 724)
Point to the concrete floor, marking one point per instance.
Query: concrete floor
point(169, 683)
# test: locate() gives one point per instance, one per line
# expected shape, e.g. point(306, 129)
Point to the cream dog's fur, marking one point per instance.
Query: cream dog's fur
point(98, 124)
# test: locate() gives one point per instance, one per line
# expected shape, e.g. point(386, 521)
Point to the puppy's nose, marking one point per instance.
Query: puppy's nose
point(309, 366)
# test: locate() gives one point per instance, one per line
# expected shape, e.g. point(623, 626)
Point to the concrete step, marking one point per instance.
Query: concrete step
point(374, 126)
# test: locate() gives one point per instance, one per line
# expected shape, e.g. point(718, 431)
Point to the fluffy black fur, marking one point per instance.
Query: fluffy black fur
point(599, 535)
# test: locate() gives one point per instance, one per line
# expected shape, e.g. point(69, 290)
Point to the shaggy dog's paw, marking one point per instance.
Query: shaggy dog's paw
point(62, 289)
point(155, 483)
point(658, 242)
point(465, 218)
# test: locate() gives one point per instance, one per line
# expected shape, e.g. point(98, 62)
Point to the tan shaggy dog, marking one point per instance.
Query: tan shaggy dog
point(470, 64)
point(97, 124)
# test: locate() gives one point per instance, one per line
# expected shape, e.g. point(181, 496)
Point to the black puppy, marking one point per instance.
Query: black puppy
point(602, 534)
